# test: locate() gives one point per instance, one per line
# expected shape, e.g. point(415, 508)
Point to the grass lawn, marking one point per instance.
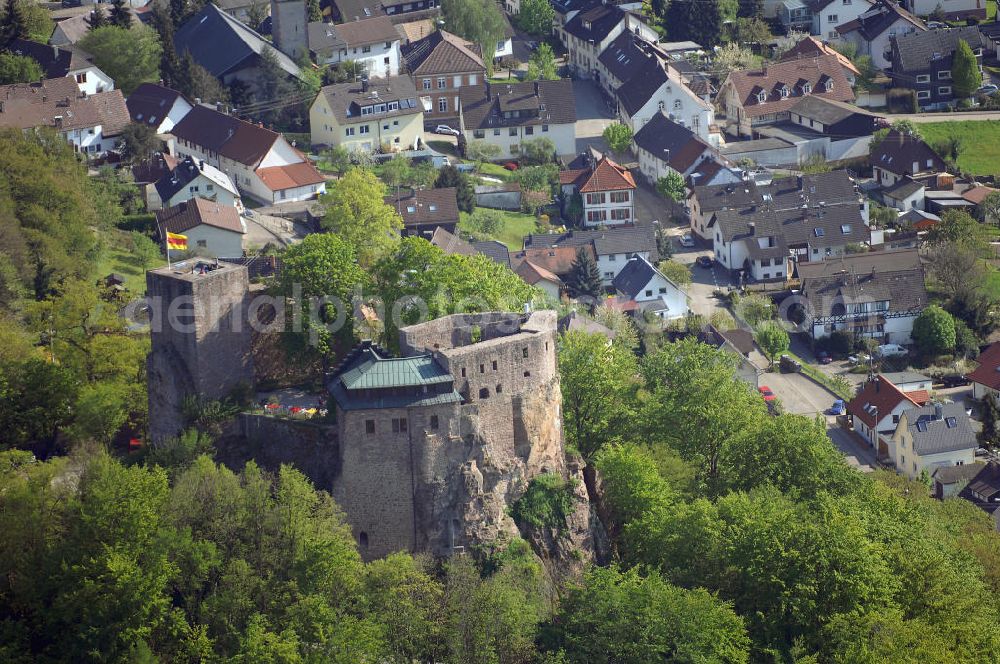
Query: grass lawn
point(118, 258)
point(992, 286)
point(494, 170)
point(444, 147)
point(516, 226)
point(980, 140)
point(991, 9)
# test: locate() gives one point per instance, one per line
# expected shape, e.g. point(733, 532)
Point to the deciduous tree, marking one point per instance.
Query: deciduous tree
point(671, 186)
point(542, 64)
point(19, 69)
point(965, 76)
point(618, 137)
point(449, 176)
point(130, 57)
point(357, 212)
point(536, 17)
point(675, 271)
point(772, 339)
point(479, 21)
point(934, 331)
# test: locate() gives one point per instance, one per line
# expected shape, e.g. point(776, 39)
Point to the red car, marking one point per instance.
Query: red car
point(511, 166)
point(766, 392)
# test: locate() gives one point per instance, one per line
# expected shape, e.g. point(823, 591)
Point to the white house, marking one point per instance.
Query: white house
point(876, 295)
point(540, 277)
point(930, 437)
point(68, 60)
point(986, 377)
point(872, 31)
point(663, 146)
point(607, 191)
point(369, 115)
point(371, 42)
point(193, 179)
point(657, 87)
point(954, 10)
point(212, 229)
point(588, 33)
point(157, 107)
point(642, 283)
point(828, 14)
point(876, 409)
point(91, 123)
point(261, 163)
point(507, 115)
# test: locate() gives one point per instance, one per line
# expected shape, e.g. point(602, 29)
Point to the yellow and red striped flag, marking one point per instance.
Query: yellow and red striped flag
point(177, 242)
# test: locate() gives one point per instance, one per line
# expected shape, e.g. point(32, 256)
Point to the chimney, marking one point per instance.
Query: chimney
point(938, 412)
point(201, 165)
point(59, 121)
point(55, 52)
point(364, 83)
point(878, 384)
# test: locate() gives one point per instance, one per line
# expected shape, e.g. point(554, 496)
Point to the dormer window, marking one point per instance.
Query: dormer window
point(807, 88)
point(761, 97)
point(829, 86)
point(784, 91)
point(677, 105)
point(411, 209)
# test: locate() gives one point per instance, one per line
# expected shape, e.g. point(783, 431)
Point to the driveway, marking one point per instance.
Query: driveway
point(851, 445)
point(798, 394)
point(592, 115)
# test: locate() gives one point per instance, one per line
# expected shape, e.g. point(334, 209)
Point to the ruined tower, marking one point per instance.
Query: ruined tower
point(289, 20)
point(200, 339)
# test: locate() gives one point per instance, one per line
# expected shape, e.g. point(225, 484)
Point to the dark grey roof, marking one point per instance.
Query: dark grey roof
point(624, 54)
point(347, 99)
point(897, 152)
point(325, 37)
point(626, 240)
point(731, 196)
point(903, 189)
point(939, 428)
point(893, 276)
point(833, 226)
point(495, 251)
point(955, 474)
point(221, 44)
point(634, 277)
point(986, 483)
point(635, 92)
point(575, 321)
point(828, 111)
point(185, 172)
point(150, 103)
point(536, 103)
point(661, 134)
point(831, 188)
point(55, 61)
point(878, 19)
point(914, 51)
point(903, 377)
point(595, 23)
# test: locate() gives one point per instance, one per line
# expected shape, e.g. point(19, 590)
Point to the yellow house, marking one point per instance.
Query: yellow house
point(381, 114)
point(932, 436)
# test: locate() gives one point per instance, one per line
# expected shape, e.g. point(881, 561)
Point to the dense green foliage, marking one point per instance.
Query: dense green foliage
point(19, 69)
point(131, 57)
point(965, 75)
point(536, 17)
point(934, 331)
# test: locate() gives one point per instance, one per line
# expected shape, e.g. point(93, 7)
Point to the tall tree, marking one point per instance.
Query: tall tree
point(536, 17)
point(130, 57)
point(696, 20)
point(584, 279)
point(98, 19)
point(357, 212)
point(479, 21)
point(449, 176)
point(618, 136)
point(772, 339)
point(598, 381)
point(671, 186)
point(139, 141)
point(751, 9)
point(989, 436)
point(120, 15)
point(170, 64)
point(965, 76)
point(542, 64)
point(934, 331)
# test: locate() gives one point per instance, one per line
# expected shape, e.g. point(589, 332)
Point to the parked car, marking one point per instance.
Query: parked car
point(767, 393)
point(824, 357)
point(445, 129)
point(511, 166)
point(936, 25)
point(686, 241)
point(988, 89)
point(838, 407)
point(860, 358)
point(704, 261)
point(890, 350)
point(954, 380)
point(788, 365)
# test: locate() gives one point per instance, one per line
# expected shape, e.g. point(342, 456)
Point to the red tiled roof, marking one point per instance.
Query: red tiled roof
point(988, 371)
point(881, 394)
point(195, 212)
point(532, 274)
point(920, 396)
point(558, 260)
point(290, 176)
point(811, 47)
point(793, 74)
point(605, 176)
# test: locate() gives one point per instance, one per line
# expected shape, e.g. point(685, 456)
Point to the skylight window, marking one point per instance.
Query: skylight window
point(819, 232)
point(410, 209)
point(922, 426)
point(845, 229)
point(951, 422)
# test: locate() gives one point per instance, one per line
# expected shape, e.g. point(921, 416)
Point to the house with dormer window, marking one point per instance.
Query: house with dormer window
point(606, 188)
point(921, 61)
point(756, 97)
point(506, 115)
point(901, 156)
point(871, 31)
point(380, 114)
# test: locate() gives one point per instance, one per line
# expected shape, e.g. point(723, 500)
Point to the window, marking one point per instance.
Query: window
point(484, 393)
point(427, 84)
point(527, 374)
point(545, 128)
point(494, 365)
point(482, 368)
point(366, 49)
point(946, 74)
point(369, 427)
point(595, 199)
point(456, 82)
point(496, 132)
point(619, 197)
point(399, 425)
point(499, 388)
point(202, 243)
point(434, 421)
point(761, 97)
point(472, 79)
point(612, 258)
point(363, 539)
point(829, 86)
point(649, 293)
point(479, 133)
point(597, 215)
point(463, 372)
point(501, 44)
point(512, 131)
point(845, 229)
point(923, 78)
point(923, 94)
point(443, 104)
point(662, 290)
point(81, 78)
point(363, 129)
point(677, 104)
point(832, 18)
point(442, 83)
point(620, 214)
point(411, 209)
point(524, 352)
point(807, 88)
point(529, 131)
point(944, 90)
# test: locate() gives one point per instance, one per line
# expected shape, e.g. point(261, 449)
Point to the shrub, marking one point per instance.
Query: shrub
point(547, 502)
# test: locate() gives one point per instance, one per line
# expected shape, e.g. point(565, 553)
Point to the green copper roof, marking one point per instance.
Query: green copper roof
point(374, 372)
